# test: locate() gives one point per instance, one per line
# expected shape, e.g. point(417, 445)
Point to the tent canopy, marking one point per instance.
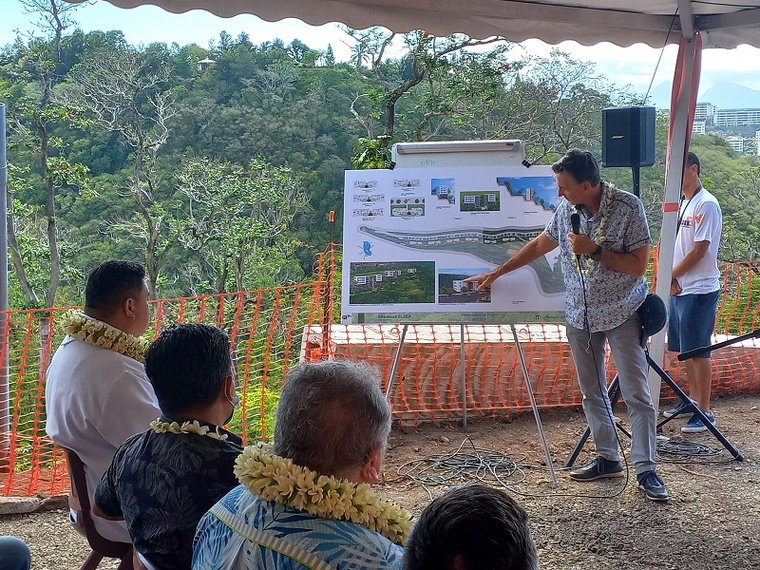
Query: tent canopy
point(723, 23)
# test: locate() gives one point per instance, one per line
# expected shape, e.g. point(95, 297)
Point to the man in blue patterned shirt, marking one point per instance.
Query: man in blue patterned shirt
point(161, 481)
point(603, 266)
point(307, 503)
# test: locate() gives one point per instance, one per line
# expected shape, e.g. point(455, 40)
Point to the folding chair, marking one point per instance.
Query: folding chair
point(79, 501)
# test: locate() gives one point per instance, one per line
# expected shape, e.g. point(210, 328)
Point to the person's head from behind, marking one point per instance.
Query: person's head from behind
point(190, 367)
point(333, 418)
point(473, 527)
point(116, 293)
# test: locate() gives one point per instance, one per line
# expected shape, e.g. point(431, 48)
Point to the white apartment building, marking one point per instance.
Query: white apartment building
point(737, 117)
point(705, 112)
point(736, 143)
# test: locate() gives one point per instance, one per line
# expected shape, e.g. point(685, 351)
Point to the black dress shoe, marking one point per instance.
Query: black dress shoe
point(599, 468)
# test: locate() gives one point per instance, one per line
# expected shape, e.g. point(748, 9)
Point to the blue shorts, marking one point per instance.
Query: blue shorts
point(692, 319)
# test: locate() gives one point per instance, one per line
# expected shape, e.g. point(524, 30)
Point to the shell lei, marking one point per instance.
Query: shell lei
point(278, 479)
point(194, 426)
point(588, 267)
point(100, 334)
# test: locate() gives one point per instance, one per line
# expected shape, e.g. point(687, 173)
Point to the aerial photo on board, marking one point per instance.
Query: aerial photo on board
point(392, 282)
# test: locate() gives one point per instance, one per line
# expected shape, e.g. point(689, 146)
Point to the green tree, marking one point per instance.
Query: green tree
point(426, 56)
point(554, 104)
point(128, 92)
point(33, 113)
point(329, 57)
point(239, 221)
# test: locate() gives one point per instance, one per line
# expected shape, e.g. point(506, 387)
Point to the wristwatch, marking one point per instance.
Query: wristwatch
point(598, 253)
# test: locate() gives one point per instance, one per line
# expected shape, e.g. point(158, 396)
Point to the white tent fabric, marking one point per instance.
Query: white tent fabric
point(723, 23)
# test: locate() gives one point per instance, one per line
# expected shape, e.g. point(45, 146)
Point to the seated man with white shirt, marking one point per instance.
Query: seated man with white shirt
point(97, 394)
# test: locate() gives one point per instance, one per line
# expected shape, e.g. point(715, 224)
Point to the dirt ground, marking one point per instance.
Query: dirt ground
point(712, 520)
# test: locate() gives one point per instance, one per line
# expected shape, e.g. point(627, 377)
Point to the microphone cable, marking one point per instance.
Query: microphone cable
point(601, 385)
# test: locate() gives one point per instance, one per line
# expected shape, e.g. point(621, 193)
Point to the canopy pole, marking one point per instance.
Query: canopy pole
point(5, 442)
point(682, 106)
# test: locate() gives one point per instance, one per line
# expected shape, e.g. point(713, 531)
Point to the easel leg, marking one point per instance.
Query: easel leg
point(462, 378)
point(549, 463)
point(396, 359)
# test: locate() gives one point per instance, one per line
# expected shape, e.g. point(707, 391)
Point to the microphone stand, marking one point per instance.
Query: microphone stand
point(700, 351)
point(613, 392)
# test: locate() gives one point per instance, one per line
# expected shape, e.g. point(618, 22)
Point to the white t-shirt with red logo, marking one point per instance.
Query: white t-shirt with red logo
point(701, 220)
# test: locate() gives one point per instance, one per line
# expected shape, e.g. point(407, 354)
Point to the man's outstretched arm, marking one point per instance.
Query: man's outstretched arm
point(535, 248)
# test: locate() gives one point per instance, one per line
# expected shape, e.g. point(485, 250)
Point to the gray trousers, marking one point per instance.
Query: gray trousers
point(631, 364)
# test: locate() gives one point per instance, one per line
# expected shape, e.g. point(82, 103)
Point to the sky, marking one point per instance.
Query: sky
point(634, 66)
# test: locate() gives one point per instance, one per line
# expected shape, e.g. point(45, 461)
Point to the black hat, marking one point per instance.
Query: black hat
point(652, 314)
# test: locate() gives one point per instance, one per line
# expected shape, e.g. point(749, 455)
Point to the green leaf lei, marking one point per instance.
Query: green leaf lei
point(587, 267)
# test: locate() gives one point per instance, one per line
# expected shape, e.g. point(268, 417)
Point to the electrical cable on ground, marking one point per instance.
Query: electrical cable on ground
point(682, 451)
point(468, 463)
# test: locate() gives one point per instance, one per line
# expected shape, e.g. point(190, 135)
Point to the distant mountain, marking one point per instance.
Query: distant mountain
point(726, 95)
point(660, 96)
point(723, 94)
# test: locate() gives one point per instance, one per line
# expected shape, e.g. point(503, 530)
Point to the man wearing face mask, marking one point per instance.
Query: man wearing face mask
point(163, 480)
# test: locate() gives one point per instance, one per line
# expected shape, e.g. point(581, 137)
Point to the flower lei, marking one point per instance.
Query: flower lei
point(278, 479)
point(587, 267)
point(97, 333)
point(194, 426)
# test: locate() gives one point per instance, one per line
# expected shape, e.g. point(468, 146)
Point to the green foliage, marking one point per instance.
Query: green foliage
point(151, 158)
point(239, 221)
point(371, 153)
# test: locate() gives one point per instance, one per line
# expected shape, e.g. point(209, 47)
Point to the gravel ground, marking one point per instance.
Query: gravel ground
point(712, 520)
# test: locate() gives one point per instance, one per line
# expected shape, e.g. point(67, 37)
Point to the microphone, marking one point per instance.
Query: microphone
point(575, 221)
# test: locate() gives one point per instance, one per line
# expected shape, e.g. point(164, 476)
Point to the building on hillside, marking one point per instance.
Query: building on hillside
point(757, 143)
point(737, 117)
point(705, 112)
point(736, 143)
point(699, 127)
point(204, 64)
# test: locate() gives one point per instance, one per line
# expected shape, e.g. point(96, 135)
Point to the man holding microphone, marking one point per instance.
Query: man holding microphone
point(603, 263)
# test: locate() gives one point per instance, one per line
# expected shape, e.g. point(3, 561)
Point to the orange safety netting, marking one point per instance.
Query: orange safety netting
point(272, 329)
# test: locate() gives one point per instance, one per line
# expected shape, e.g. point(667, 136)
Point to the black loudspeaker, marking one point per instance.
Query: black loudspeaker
point(628, 136)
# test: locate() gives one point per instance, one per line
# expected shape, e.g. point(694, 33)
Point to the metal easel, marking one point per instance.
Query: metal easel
point(463, 386)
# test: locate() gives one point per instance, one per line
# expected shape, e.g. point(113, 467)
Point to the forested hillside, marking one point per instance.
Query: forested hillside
point(220, 177)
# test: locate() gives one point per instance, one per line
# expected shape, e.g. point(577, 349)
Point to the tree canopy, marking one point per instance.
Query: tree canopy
point(221, 176)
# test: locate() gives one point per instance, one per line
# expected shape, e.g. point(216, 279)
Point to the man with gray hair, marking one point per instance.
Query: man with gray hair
point(307, 501)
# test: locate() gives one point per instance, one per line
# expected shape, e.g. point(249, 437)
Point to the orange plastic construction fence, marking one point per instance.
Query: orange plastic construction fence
point(272, 329)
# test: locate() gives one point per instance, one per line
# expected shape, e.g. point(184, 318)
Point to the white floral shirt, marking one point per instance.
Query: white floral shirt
point(611, 296)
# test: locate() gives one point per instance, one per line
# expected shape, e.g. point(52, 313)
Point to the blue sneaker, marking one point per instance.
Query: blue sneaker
point(695, 425)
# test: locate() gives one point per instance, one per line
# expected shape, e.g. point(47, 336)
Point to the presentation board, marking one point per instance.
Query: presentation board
point(413, 235)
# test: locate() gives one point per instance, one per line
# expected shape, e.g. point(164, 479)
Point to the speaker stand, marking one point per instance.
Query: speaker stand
point(636, 170)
